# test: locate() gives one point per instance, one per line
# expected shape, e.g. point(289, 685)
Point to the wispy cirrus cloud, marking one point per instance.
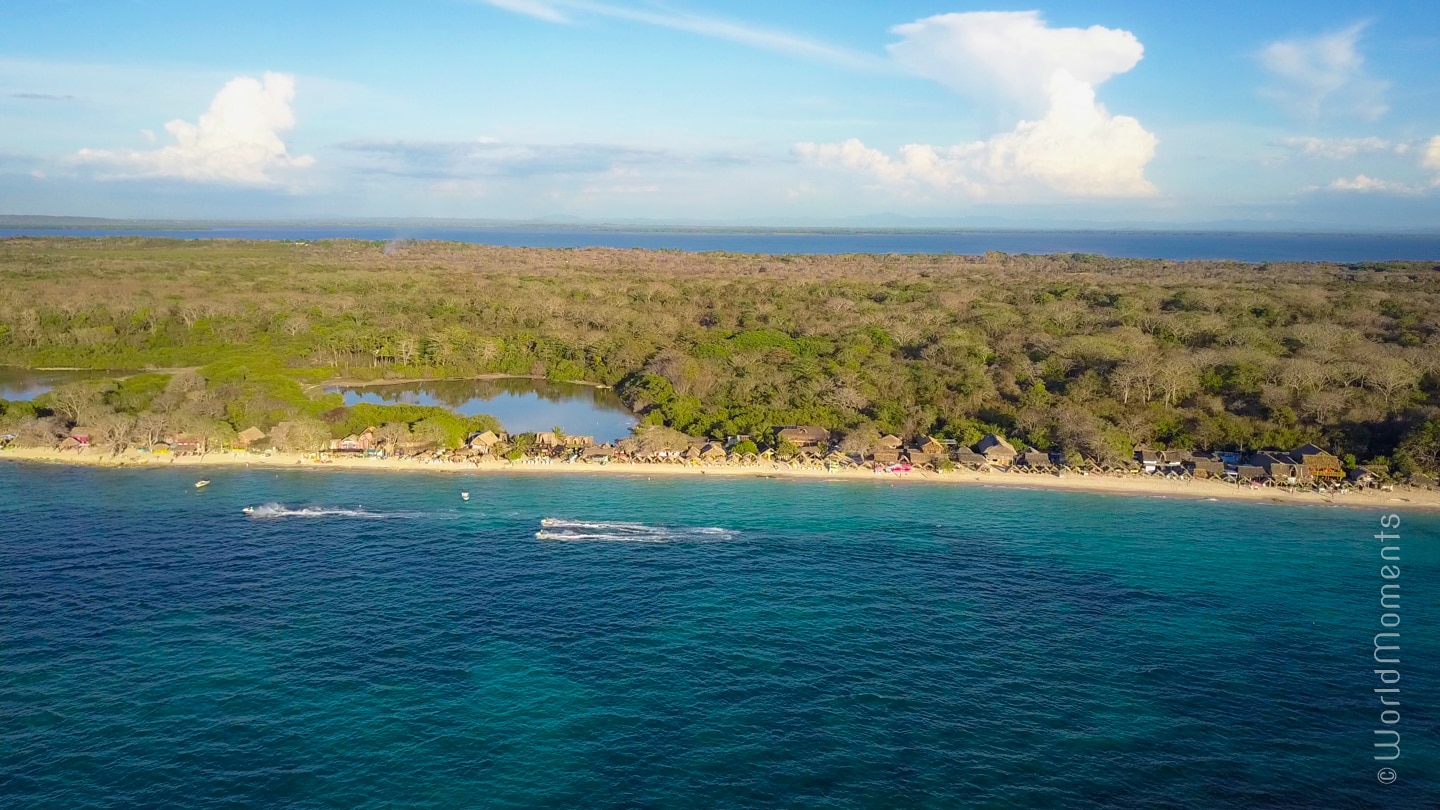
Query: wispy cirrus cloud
point(566, 11)
point(1341, 148)
point(492, 158)
point(1323, 75)
point(42, 97)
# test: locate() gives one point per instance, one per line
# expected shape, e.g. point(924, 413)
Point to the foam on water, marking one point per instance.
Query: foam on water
point(625, 532)
point(276, 510)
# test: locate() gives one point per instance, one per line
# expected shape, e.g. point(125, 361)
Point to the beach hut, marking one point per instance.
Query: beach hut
point(1250, 472)
point(890, 442)
point(1034, 459)
point(920, 458)
point(1149, 460)
point(1422, 481)
point(885, 456)
point(1364, 476)
point(186, 444)
point(803, 436)
point(247, 437)
point(1280, 467)
point(1204, 465)
point(996, 450)
point(712, 451)
point(930, 445)
point(578, 442)
point(72, 443)
point(969, 458)
point(1319, 463)
point(597, 453)
point(484, 442)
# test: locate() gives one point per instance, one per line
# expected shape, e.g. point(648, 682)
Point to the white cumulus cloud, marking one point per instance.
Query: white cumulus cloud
point(1323, 74)
point(1074, 145)
point(237, 140)
point(1011, 55)
point(1432, 154)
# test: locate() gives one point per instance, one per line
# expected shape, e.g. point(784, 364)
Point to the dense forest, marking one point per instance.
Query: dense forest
point(1086, 355)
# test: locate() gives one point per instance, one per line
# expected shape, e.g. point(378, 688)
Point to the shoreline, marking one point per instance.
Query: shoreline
point(1132, 486)
point(341, 382)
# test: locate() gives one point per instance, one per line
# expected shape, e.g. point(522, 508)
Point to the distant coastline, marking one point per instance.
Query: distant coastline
point(1171, 243)
point(1129, 485)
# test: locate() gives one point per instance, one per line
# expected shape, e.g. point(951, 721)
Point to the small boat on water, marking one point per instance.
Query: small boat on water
point(249, 510)
point(464, 496)
point(202, 483)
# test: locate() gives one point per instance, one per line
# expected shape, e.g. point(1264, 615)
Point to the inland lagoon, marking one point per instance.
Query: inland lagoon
point(522, 404)
point(374, 640)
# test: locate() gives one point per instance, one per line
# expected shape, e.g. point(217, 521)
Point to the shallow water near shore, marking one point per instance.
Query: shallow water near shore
point(375, 640)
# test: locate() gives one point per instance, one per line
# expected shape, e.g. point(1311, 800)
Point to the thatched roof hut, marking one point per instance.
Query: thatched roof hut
point(969, 458)
point(712, 450)
point(995, 449)
point(1034, 459)
point(804, 435)
point(890, 442)
point(248, 436)
point(922, 458)
point(1365, 476)
point(931, 445)
point(1320, 463)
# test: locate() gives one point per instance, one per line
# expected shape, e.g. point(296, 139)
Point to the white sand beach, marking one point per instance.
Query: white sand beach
point(1401, 497)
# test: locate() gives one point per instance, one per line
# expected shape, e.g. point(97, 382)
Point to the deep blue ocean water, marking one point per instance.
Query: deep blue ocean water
point(378, 642)
point(1244, 246)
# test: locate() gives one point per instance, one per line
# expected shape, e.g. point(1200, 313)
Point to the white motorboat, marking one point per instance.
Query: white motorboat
point(202, 483)
point(464, 496)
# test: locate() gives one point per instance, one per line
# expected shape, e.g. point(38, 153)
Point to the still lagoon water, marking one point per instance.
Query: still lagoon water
point(1177, 245)
point(522, 405)
point(24, 384)
point(376, 641)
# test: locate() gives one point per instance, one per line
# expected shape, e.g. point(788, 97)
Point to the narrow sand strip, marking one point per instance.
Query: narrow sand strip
point(1401, 498)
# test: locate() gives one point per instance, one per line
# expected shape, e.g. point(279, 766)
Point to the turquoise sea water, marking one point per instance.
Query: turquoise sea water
point(375, 641)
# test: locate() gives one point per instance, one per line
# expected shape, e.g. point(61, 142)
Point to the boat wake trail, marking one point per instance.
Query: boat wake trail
point(275, 510)
point(623, 532)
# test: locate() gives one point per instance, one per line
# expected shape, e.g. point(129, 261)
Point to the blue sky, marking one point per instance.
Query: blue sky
point(1320, 113)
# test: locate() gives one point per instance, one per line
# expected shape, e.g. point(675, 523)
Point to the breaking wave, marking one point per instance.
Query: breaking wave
point(625, 532)
point(276, 510)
